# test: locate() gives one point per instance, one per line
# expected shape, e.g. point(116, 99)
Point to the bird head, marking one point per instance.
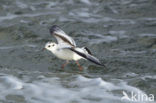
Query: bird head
point(51, 46)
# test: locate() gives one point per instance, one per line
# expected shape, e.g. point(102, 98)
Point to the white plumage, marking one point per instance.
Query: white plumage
point(63, 53)
point(66, 48)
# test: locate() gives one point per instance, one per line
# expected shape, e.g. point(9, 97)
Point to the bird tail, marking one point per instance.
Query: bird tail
point(88, 57)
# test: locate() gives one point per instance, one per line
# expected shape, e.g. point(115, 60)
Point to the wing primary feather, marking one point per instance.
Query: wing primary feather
point(61, 36)
point(89, 52)
point(64, 39)
point(53, 28)
point(88, 57)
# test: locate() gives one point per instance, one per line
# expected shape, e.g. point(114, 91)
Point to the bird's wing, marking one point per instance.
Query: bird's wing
point(87, 50)
point(87, 56)
point(64, 46)
point(61, 36)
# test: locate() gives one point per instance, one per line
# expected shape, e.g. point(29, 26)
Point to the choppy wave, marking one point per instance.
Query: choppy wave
point(18, 46)
point(123, 32)
point(76, 88)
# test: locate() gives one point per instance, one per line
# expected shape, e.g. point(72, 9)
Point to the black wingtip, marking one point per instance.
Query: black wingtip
point(54, 28)
point(89, 52)
point(100, 64)
point(90, 59)
point(103, 65)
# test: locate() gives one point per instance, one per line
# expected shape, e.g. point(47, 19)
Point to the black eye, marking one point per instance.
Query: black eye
point(53, 44)
point(48, 45)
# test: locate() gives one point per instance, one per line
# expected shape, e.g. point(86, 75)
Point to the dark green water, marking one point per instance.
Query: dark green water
point(121, 33)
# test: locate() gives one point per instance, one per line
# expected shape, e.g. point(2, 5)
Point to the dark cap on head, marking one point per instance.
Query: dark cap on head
point(54, 28)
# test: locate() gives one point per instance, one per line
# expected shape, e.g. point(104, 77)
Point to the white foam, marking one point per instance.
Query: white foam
point(50, 4)
point(149, 19)
point(11, 82)
point(52, 90)
point(120, 33)
point(8, 17)
point(95, 82)
point(86, 2)
point(107, 39)
point(121, 21)
point(130, 74)
point(18, 46)
point(82, 12)
point(147, 35)
point(21, 4)
point(149, 77)
point(113, 10)
point(99, 38)
point(13, 16)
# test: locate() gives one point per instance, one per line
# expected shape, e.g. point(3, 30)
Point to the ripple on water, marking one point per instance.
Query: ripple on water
point(18, 46)
point(77, 89)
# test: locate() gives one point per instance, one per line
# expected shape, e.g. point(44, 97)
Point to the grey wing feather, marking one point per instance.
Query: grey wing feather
point(61, 36)
point(88, 57)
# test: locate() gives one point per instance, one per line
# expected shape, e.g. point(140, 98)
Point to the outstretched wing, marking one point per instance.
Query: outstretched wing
point(88, 57)
point(61, 36)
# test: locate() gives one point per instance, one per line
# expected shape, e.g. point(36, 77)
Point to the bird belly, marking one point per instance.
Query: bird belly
point(76, 57)
point(66, 54)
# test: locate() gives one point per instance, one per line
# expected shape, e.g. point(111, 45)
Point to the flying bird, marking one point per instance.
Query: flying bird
point(66, 48)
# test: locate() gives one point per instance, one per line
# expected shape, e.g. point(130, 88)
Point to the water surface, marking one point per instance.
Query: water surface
point(121, 33)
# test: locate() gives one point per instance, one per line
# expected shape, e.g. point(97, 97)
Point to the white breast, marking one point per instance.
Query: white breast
point(66, 54)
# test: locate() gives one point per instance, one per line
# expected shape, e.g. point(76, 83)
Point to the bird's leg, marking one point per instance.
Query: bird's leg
point(79, 65)
point(63, 65)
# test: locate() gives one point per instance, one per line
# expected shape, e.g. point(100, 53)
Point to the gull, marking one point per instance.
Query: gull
point(66, 48)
